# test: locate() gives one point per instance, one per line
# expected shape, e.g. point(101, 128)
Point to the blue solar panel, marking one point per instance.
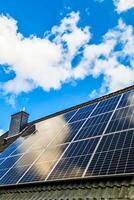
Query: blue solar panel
point(114, 155)
point(75, 159)
point(122, 119)
point(83, 113)
point(106, 105)
point(127, 99)
point(94, 126)
point(11, 148)
point(96, 139)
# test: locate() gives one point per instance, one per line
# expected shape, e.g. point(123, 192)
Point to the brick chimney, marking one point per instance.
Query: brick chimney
point(18, 122)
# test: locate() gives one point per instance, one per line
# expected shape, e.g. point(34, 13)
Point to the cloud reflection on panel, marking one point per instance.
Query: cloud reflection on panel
point(48, 134)
point(131, 98)
point(123, 117)
point(131, 102)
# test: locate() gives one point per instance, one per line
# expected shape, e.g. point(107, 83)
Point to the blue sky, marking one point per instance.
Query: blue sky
point(56, 54)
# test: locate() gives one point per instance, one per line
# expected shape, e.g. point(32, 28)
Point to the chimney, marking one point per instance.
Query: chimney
point(17, 123)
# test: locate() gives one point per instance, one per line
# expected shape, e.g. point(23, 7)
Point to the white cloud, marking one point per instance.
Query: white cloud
point(40, 62)
point(113, 58)
point(123, 5)
point(47, 62)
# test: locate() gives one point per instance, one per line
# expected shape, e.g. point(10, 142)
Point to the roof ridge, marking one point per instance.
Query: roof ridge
point(83, 104)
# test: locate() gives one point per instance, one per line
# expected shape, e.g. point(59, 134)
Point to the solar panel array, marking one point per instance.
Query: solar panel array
point(91, 141)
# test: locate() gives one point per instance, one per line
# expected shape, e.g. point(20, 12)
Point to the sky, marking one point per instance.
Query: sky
point(57, 54)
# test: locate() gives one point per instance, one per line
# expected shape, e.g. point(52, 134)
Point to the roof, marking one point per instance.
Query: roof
point(97, 188)
point(3, 145)
point(114, 189)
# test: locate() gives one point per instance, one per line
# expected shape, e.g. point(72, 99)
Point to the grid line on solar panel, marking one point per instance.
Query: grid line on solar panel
point(109, 151)
point(23, 160)
point(28, 145)
point(129, 129)
point(128, 99)
point(2, 160)
point(67, 115)
point(129, 152)
point(9, 163)
point(84, 173)
point(8, 151)
point(17, 143)
point(106, 105)
point(63, 170)
point(37, 175)
point(20, 156)
point(111, 157)
point(69, 156)
point(94, 126)
point(69, 131)
point(38, 157)
point(83, 113)
point(92, 116)
point(33, 143)
point(123, 119)
point(75, 158)
point(43, 164)
point(15, 152)
point(110, 101)
point(70, 144)
point(10, 179)
point(26, 162)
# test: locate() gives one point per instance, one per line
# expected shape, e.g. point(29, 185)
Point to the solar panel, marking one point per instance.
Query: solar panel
point(114, 155)
point(122, 119)
point(74, 160)
point(83, 113)
point(94, 126)
point(127, 99)
point(106, 105)
point(93, 140)
point(11, 148)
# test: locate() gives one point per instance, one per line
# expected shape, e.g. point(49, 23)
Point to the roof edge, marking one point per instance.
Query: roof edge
point(83, 104)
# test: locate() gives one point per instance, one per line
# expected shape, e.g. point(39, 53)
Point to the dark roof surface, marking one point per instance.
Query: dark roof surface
point(114, 189)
